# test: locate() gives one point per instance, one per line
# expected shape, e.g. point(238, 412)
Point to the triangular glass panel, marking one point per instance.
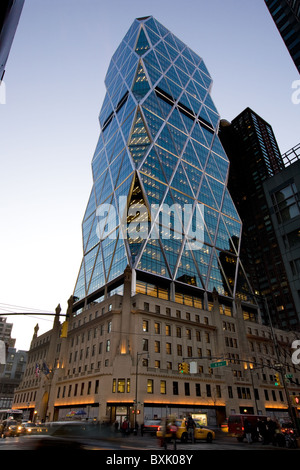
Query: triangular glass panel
point(154, 189)
point(179, 138)
point(93, 238)
point(187, 271)
point(217, 279)
point(91, 207)
point(223, 240)
point(194, 177)
point(189, 155)
point(142, 44)
point(212, 169)
point(228, 272)
point(171, 247)
point(168, 161)
point(86, 229)
point(165, 141)
point(139, 140)
point(153, 122)
point(119, 260)
point(152, 259)
point(97, 279)
point(180, 181)
point(107, 188)
point(243, 288)
point(202, 257)
point(211, 220)
point(197, 134)
point(152, 103)
point(89, 261)
point(162, 58)
point(79, 291)
point(176, 120)
point(151, 23)
point(217, 190)
point(234, 229)
point(141, 85)
point(223, 166)
point(108, 247)
point(138, 219)
point(152, 167)
point(126, 126)
point(205, 195)
point(151, 59)
point(228, 207)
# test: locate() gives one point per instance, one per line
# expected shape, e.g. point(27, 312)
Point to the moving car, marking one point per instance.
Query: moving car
point(10, 428)
point(200, 432)
point(27, 428)
point(151, 425)
point(236, 425)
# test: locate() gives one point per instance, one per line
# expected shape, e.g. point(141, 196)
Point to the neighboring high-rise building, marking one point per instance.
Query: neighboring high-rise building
point(283, 198)
point(156, 291)
point(159, 202)
point(286, 15)
point(254, 157)
point(11, 372)
point(11, 375)
point(10, 12)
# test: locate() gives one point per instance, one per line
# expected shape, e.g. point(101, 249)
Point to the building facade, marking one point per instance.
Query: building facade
point(160, 283)
point(255, 158)
point(286, 16)
point(107, 373)
point(283, 198)
point(12, 371)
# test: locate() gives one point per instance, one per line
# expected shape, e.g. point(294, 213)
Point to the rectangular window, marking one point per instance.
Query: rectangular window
point(121, 386)
point(175, 388)
point(163, 388)
point(149, 386)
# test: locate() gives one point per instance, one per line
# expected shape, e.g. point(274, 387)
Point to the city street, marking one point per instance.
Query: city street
point(223, 442)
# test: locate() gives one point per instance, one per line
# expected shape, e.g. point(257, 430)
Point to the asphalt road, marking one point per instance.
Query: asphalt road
point(131, 443)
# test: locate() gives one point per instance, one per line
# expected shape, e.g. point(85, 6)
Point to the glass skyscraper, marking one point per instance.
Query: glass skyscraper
point(286, 15)
point(159, 202)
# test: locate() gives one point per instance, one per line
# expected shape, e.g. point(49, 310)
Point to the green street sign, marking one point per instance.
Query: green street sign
point(218, 364)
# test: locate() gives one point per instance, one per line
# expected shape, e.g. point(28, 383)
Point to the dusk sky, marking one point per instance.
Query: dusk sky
point(49, 124)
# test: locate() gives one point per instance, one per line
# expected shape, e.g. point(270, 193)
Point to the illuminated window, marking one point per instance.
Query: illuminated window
point(150, 386)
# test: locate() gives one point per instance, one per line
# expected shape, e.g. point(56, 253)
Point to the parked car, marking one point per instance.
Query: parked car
point(200, 432)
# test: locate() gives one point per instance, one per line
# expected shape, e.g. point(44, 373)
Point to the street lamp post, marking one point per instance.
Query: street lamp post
point(136, 382)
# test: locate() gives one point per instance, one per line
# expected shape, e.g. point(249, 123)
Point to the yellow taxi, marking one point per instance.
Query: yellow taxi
point(200, 432)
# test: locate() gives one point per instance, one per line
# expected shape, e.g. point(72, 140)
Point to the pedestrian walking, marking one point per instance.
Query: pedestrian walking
point(190, 426)
point(248, 430)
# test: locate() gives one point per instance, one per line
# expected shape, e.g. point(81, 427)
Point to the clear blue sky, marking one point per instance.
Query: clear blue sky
point(49, 124)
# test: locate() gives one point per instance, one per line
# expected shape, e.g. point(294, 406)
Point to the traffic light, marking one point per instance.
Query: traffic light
point(183, 368)
point(295, 400)
point(277, 380)
point(64, 329)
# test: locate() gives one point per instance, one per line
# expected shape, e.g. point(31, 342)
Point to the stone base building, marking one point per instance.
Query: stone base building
point(121, 358)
